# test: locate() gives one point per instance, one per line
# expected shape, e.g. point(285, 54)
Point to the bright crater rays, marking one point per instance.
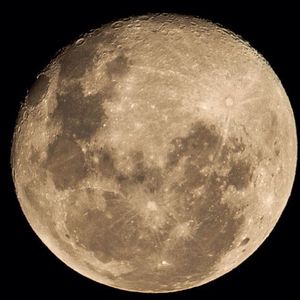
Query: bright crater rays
point(155, 154)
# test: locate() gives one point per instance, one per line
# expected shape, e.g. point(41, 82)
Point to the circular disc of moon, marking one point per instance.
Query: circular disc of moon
point(155, 153)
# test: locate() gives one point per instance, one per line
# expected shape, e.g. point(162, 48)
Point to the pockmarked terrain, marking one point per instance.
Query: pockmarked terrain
point(155, 154)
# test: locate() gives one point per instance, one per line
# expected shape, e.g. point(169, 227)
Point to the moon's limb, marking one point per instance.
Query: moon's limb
point(155, 146)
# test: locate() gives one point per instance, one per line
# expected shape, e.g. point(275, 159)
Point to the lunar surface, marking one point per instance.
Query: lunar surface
point(155, 154)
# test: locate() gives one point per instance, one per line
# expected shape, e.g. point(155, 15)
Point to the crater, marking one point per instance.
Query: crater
point(245, 241)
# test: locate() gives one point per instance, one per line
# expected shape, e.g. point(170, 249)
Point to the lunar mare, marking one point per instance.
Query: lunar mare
point(155, 153)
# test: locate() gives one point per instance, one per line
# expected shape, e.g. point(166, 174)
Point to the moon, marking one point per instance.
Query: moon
point(155, 154)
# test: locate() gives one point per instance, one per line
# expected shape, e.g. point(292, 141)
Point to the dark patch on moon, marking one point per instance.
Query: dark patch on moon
point(81, 115)
point(274, 119)
point(112, 234)
point(196, 256)
point(193, 176)
point(198, 145)
point(110, 196)
point(121, 233)
point(33, 197)
point(76, 59)
point(149, 177)
point(65, 161)
point(240, 174)
point(271, 127)
point(171, 225)
point(245, 241)
point(276, 148)
point(218, 225)
point(108, 91)
point(38, 90)
point(106, 164)
point(119, 66)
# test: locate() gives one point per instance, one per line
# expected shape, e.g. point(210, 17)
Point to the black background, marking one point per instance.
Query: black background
point(32, 34)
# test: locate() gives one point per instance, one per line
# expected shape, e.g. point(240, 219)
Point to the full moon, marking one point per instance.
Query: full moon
point(155, 154)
